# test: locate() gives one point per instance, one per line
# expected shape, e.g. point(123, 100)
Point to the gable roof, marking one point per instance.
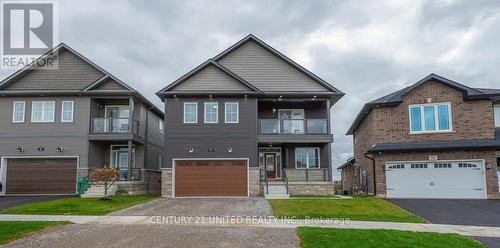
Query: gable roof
point(168, 90)
point(395, 98)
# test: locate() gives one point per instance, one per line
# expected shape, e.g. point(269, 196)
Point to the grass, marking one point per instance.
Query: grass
point(358, 208)
point(79, 206)
point(11, 230)
point(339, 238)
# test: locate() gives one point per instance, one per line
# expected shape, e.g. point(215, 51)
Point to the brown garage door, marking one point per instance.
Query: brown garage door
point(41, 176)
point(211, 178)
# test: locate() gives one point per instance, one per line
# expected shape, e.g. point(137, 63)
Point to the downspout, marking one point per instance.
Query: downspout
point(374, 177)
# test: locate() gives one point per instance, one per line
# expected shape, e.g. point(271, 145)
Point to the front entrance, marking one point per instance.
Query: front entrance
point(270, 159)
point(119, 160)
point(270, 164)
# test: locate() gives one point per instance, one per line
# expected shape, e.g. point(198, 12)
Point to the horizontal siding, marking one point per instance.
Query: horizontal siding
point(266, 71)
point(72, 74)
point(110, 84)
point(211, 79)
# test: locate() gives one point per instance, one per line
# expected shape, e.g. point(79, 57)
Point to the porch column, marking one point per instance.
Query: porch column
point(130, 114)
point(130, 162)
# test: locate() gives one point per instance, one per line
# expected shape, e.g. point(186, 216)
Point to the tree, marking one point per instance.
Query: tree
point(105, 177)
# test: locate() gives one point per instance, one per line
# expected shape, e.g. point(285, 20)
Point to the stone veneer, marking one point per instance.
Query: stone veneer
point(311, 188)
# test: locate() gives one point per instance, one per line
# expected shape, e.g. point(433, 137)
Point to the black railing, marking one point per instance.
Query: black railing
point(123, 174)
point(263, 178)
point(295, 126)
point(113, 126)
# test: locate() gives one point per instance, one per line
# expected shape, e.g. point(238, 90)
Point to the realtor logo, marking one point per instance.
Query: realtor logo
point(29, 29)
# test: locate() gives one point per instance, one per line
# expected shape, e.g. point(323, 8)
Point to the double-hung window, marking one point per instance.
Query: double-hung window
point(211, 112)
point(497, 115)
point(232, 112)
point(18, 111)
point(428, 118)
point(190, 112)
point(67, 108)
point(306, 157)
point(42, 111)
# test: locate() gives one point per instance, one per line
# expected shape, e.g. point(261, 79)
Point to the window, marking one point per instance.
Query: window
point(67, 111)
point(211, 112)
point(190, 112)
point(428, 118)
point(497, 115)
point(306, 157)
point(160, 126)
point(466, 165)
point(232, 112)
point(418, 166)
point(442, 165)
point(396, 166)
point(18, 111)
point(42, 111)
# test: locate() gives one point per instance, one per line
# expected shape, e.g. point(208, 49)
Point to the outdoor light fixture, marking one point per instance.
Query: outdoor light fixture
point(210, 96)
point(488, 166)
point(20, 149)
point(230, 149)
point(175, 96)
point(191, 150)
point(274, 111)
point(211, 150)
point(59, 149)
point(41, 149)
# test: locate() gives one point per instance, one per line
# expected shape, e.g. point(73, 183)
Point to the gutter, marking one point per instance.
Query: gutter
point(374, 177)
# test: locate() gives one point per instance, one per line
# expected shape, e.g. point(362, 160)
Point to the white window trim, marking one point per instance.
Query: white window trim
point(196, 115)
point(14, 111)
point(43, 112)
point(72, 110)
point(494, 114)
point(160, 126)
point(205, 113)
point(436, 118)
point(307, 159)
point(237, 112)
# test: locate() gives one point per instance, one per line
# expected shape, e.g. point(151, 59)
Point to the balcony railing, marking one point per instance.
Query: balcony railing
point(113, 126)
point(296, 126)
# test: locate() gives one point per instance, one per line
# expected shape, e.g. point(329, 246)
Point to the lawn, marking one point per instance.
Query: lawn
point(339, 238)
point(11, 230)
point(357, 208)
point(79, 206)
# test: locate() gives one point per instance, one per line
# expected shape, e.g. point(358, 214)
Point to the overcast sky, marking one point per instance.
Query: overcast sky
point(364, 48)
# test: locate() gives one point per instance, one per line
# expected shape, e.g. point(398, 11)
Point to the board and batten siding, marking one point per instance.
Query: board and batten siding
point(71, 136)
point(72, 74)
point(266, 71)
point(211, 79)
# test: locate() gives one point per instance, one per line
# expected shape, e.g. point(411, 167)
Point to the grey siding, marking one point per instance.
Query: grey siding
point(155, 142)
point(266, 71)
point(289, 156)
point(211, 79)
point(110, 84)
point(71, 136)
point(241, 137)
point(73, 74)
point(312, 109)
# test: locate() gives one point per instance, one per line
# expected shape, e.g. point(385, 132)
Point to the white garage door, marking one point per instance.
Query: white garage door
point(436, 179)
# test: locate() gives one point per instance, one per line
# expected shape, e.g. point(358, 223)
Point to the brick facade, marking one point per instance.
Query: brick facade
point(473, 119)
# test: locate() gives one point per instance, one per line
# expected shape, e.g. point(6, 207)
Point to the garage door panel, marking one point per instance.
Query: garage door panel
point(211, 178)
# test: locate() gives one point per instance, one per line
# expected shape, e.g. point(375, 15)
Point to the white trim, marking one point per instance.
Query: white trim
point(307, 159)
point(14, 111)
point(160, 126)
point(496, 114)
point(43, 111)
point(184, 113)
point(205, 112)
point(173, 177)
point(436, 118)
point(237, 112)
point(115, 106)
point(3, 170)
point(280, 153)
point(111, 162)
point(482, 161)
point(72, 110)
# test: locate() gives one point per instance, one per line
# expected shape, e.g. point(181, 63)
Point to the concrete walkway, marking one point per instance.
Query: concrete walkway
point(476, 231)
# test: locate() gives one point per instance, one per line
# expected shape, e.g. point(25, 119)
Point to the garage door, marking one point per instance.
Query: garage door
point(440, 179)
point(211, 178)
point(41, 176)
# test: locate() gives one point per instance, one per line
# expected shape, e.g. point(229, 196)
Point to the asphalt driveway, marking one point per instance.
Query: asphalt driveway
point(13, 201)
point(455, 212)
point(252, 206)
point(120, 236)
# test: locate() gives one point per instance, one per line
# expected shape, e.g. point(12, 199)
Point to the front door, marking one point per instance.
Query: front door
point(121, 163)
point(119, 117)
point(270, 160)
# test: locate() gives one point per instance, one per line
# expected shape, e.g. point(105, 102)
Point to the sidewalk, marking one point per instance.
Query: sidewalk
point(476, 231)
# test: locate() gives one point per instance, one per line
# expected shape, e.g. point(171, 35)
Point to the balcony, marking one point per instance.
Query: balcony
point(115, 129)
point(296, 130)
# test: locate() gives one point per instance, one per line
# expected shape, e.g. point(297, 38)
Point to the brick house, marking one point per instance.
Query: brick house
point(434, 139)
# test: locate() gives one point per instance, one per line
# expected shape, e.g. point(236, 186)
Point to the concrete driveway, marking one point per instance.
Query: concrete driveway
point(13, 201)
point(252, 206)
point(120, 236)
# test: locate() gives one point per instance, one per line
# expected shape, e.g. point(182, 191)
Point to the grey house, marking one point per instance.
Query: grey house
point(56, 125)
point(249, 121)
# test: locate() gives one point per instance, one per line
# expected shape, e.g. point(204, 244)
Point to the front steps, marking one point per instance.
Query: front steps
point(98, 191)
point(276, 191)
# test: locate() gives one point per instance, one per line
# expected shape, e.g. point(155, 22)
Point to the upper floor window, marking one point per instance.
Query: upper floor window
point(190, 112)
point(232, 112)
point(18, 111)
point(42, 111)
point(428, 118)
point(306, 157)
point(497, 115)
point(211, 112)
point(67, 108)
point(160, 126)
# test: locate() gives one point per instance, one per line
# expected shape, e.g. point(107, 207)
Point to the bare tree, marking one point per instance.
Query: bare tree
point(105, 177)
